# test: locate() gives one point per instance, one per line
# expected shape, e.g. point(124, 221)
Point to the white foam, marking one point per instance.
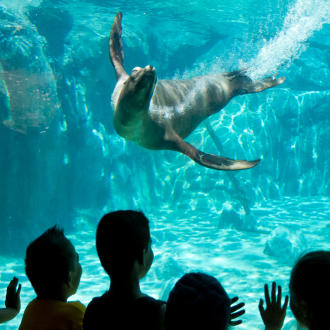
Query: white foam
point(303, 19)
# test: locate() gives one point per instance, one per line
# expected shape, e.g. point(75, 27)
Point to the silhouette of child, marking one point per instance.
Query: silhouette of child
point(198, 301)
point(53, 268)
point(309, 292)
point(123, 245)
point(13, 302)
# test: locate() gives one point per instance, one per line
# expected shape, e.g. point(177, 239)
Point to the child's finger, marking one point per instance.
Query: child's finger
point(233, 300)
point(279, 295)
point(19, 289)
point(237, 307)
point(234, 323)
point(267, 295)
point(261, 307)
point(273, 292)
point(12, 284)
point(236, 315)
point(285, 303)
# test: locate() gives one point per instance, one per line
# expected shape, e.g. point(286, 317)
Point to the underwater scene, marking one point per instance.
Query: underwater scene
point(66, 159)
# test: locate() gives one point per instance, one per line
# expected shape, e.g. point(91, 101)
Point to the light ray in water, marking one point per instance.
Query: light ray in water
point(303, 19)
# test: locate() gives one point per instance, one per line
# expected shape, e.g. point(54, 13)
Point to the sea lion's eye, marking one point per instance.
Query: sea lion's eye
point(136, 69)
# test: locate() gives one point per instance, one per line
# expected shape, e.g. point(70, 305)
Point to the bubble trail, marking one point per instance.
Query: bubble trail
point(303, 19)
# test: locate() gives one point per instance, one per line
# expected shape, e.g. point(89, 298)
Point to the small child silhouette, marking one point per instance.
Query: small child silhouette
point(53, 268)
point(309, 292)
point(123, 244)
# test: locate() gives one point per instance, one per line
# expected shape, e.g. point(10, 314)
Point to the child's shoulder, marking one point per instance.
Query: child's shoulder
point(150, 300)
point(77, 305)
point(52, 304)
point(47, 311)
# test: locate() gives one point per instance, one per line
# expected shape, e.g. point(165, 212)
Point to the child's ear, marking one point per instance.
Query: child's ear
point(69, 281)
point(141, 257)
point(144, 258)
point(304, 312)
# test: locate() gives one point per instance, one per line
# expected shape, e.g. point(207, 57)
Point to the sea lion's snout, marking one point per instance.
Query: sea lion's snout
point(150, 68)
point(149, 73)
point(140, 73)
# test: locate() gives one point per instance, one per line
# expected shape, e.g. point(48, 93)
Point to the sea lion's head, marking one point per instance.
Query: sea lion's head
point(138, 88)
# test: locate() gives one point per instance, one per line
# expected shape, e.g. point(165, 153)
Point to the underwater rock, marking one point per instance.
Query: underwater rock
point(230, 218)
point(48, 20)
point(27, 80)
point(286, 245)
point(169, 268)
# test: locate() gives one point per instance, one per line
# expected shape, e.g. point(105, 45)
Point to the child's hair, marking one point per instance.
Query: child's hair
point(310, 289)
point(197, 301)
point(121, 238)
point(48, 261)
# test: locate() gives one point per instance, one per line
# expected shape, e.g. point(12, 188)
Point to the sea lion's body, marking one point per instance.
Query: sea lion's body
point(184, 104)
point(159, 115)
point(181, 104)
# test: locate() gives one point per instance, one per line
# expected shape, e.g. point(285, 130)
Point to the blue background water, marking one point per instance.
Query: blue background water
point(62, 162)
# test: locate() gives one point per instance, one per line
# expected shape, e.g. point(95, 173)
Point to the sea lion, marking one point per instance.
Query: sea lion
point(160, 114)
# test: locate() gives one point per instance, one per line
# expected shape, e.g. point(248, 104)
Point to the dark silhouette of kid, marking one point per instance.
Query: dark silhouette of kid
point(198, 301)
point(310, 290)
point(309, 294)
point(123, 245)
point(53, 268)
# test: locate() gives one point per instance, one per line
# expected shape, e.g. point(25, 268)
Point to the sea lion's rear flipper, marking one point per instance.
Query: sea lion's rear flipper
point(260, 85)
point(208, 160)
point(116, 46)
point(242, 84)
point(223, 163)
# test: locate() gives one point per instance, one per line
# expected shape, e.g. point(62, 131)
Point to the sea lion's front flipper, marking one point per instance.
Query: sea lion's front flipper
point(208, 160)
point(116, 46)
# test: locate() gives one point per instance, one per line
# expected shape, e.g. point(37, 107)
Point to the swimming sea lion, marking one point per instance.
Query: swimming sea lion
point(159, 115)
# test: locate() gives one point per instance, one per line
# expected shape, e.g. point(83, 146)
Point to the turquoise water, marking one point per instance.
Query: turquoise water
point(62, 162)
